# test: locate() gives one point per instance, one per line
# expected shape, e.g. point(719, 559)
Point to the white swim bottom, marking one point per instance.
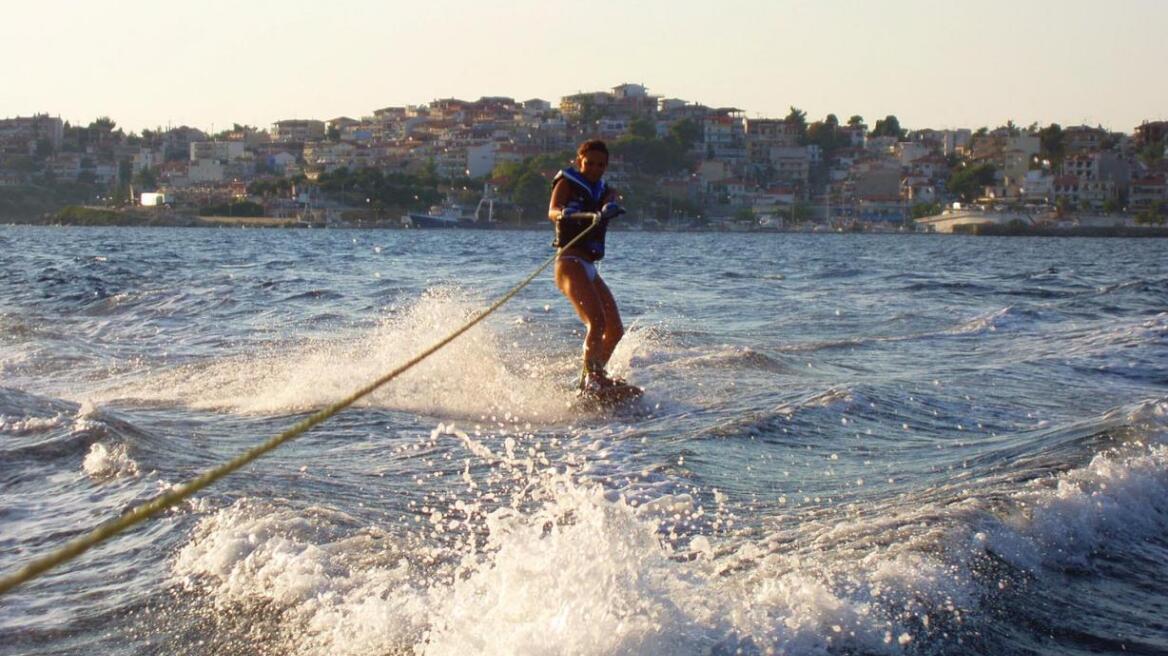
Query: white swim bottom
point(589, 267)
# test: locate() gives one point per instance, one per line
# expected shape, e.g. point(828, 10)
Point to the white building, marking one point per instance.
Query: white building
point(148, 159)
point(536, 106)
point(222, 151)
point(630, 91)
point(791, 163)
point(282, 162)
point(906, 152)
point(23, 133)
point(956, 140)
point(1037, 186)
point(205, 170)
point(481, 159)
point(297, 130)
point(152, 199)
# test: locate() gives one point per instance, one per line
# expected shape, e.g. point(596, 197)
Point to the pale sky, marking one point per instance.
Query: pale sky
point(932, 63)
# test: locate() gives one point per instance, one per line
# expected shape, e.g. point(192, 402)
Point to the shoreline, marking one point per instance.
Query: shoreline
point(101, 217)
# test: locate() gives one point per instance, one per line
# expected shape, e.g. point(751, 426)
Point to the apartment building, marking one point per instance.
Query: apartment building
point(23, 135)
point(297, 130)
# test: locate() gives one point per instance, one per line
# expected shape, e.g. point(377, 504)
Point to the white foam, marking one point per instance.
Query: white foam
point(348, 594)
point(474, 375)
point(570, 567)
point(1062, 522)
point(566, 568)
point(988, 322)
point(25, 425)
point(104, 462)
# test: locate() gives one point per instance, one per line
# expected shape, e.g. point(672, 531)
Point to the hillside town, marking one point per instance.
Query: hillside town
point(678, 164)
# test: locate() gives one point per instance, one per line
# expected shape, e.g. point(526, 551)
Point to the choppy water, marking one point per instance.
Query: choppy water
point(849, 444)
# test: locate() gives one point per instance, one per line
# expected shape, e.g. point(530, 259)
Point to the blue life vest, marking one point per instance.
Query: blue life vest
point(587, 197)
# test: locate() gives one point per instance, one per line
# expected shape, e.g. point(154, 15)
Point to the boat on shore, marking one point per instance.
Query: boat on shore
point(453, 215)
point(439, 216)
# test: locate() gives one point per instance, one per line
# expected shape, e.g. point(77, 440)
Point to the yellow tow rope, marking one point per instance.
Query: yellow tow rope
point(177, 493)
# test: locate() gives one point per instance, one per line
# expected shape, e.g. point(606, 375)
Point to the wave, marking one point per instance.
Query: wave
point(577, 573)
point(988, 322)
point(1102, 338)
point(991, 321)
point(314, 295)
point(105, 462)
point(37, 430)
point(959, 287)
point(741, 357)
point(535, 559)
point(765, 423)
point(477, 374)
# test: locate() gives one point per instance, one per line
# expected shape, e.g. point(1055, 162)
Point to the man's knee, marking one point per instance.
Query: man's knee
point(597, 326)
point(614, 332)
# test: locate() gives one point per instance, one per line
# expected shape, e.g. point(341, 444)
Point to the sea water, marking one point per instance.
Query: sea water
point(848, 444)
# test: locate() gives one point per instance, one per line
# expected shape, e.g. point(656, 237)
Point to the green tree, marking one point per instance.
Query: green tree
point(967, 182)
point(826, 134)
point(1152, 154)
point(146, 180)
point(531, 193)
point(121, 190)
point(1051, 147)
point(233, 208)
point(799, 213)
point(921, 210)
point(855, 121)
point(651, 156)
point(23, 164)
point(103, 124)
point(429, 174)
point(798, 119)
point(686, 132)
point(642, 127)
point(526, 183)
point(744, 214)
point(44, 147)
point(1154, 215)
point(889, 126)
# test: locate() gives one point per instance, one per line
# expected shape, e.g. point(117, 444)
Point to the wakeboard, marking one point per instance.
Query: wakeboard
point(614, 396)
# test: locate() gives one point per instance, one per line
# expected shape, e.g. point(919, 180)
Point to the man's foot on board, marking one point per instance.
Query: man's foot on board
point(596, 382)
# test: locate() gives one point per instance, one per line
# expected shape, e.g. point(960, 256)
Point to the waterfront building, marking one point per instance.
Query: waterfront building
point(1148, 192)
point(297, 130)
point(24, 135)
point(342, 126)
point(536, 106)
point(1083, 192)
point(724, 135)
point(1151, 132)
point(223, 151)
point(955, 141)
point(1083, 139)
point(1037, 187)
point(906, 152)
